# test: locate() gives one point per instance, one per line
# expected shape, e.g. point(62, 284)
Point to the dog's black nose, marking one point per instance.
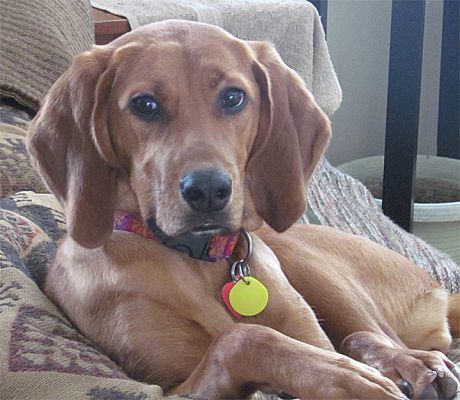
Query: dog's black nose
point(207, 190)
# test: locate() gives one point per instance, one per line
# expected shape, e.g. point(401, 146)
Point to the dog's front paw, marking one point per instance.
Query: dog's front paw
point(446, 380)
point(427, 375)
point(346, 378)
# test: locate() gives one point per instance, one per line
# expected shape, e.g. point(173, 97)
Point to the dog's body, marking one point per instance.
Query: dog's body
point(157, 311)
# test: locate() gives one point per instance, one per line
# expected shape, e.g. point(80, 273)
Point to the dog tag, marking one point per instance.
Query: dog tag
point(225, 298)
point(248, 296)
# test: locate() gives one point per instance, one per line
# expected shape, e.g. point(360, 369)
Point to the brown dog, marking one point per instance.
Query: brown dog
point(202, 133)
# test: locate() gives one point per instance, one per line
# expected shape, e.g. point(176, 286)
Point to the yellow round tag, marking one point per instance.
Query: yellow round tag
point(248, 298)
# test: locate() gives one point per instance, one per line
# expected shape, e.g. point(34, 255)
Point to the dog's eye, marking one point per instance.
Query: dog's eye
point(232, 99)
point(145, 106)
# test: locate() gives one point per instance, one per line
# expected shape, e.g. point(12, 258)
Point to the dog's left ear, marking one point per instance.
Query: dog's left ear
point(292, 136)
point(70, 146)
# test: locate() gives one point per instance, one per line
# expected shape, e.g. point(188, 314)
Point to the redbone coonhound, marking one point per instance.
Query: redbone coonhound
point(185, 134)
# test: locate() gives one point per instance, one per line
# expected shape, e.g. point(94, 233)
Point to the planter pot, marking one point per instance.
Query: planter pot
point(437, 197)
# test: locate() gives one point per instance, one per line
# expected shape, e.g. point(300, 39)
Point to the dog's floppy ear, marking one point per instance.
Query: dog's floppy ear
point(293, 134)
point(70, 146)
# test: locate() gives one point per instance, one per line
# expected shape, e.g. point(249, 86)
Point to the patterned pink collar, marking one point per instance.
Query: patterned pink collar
point(202, 247)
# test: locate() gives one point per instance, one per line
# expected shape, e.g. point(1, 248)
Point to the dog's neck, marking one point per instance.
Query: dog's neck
point(202, 247)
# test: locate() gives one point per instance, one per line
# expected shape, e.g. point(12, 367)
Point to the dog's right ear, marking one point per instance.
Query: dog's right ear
point(292, 136)
point(70, 146)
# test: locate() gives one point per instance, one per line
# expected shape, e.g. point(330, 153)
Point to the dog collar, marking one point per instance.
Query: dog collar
point(243, 295)
point(201, 247)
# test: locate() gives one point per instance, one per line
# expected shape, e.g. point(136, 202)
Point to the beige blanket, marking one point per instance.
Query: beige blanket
point(293, 26)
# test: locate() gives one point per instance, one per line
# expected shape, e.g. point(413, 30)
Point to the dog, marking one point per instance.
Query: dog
point(184, 136)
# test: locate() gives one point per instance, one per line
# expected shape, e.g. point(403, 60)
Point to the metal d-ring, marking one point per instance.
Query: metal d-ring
point(245, 271)
point(248, 238)
point(243, 264)
point(241, 270)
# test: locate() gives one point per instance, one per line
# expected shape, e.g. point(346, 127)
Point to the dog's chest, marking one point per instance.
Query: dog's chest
point(183, 286)
point(198, 294)
point(133, 287)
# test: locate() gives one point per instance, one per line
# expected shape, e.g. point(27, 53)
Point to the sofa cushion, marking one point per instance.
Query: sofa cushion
point(39, 40)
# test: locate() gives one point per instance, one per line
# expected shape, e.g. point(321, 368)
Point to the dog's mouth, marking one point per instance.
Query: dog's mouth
point(209, 228)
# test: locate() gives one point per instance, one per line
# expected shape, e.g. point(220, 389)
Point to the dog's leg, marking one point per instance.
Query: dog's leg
point(427, 327)
point(251, 357)
point(356, 325)
point(356, 289)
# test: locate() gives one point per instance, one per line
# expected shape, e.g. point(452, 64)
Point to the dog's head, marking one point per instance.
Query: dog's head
point(184, 123)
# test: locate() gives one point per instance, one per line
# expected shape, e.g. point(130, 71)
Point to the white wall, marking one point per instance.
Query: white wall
point(359, 41)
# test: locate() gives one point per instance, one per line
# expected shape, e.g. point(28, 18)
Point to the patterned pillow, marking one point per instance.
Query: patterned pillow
point(42, 356)
point(16, 172)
